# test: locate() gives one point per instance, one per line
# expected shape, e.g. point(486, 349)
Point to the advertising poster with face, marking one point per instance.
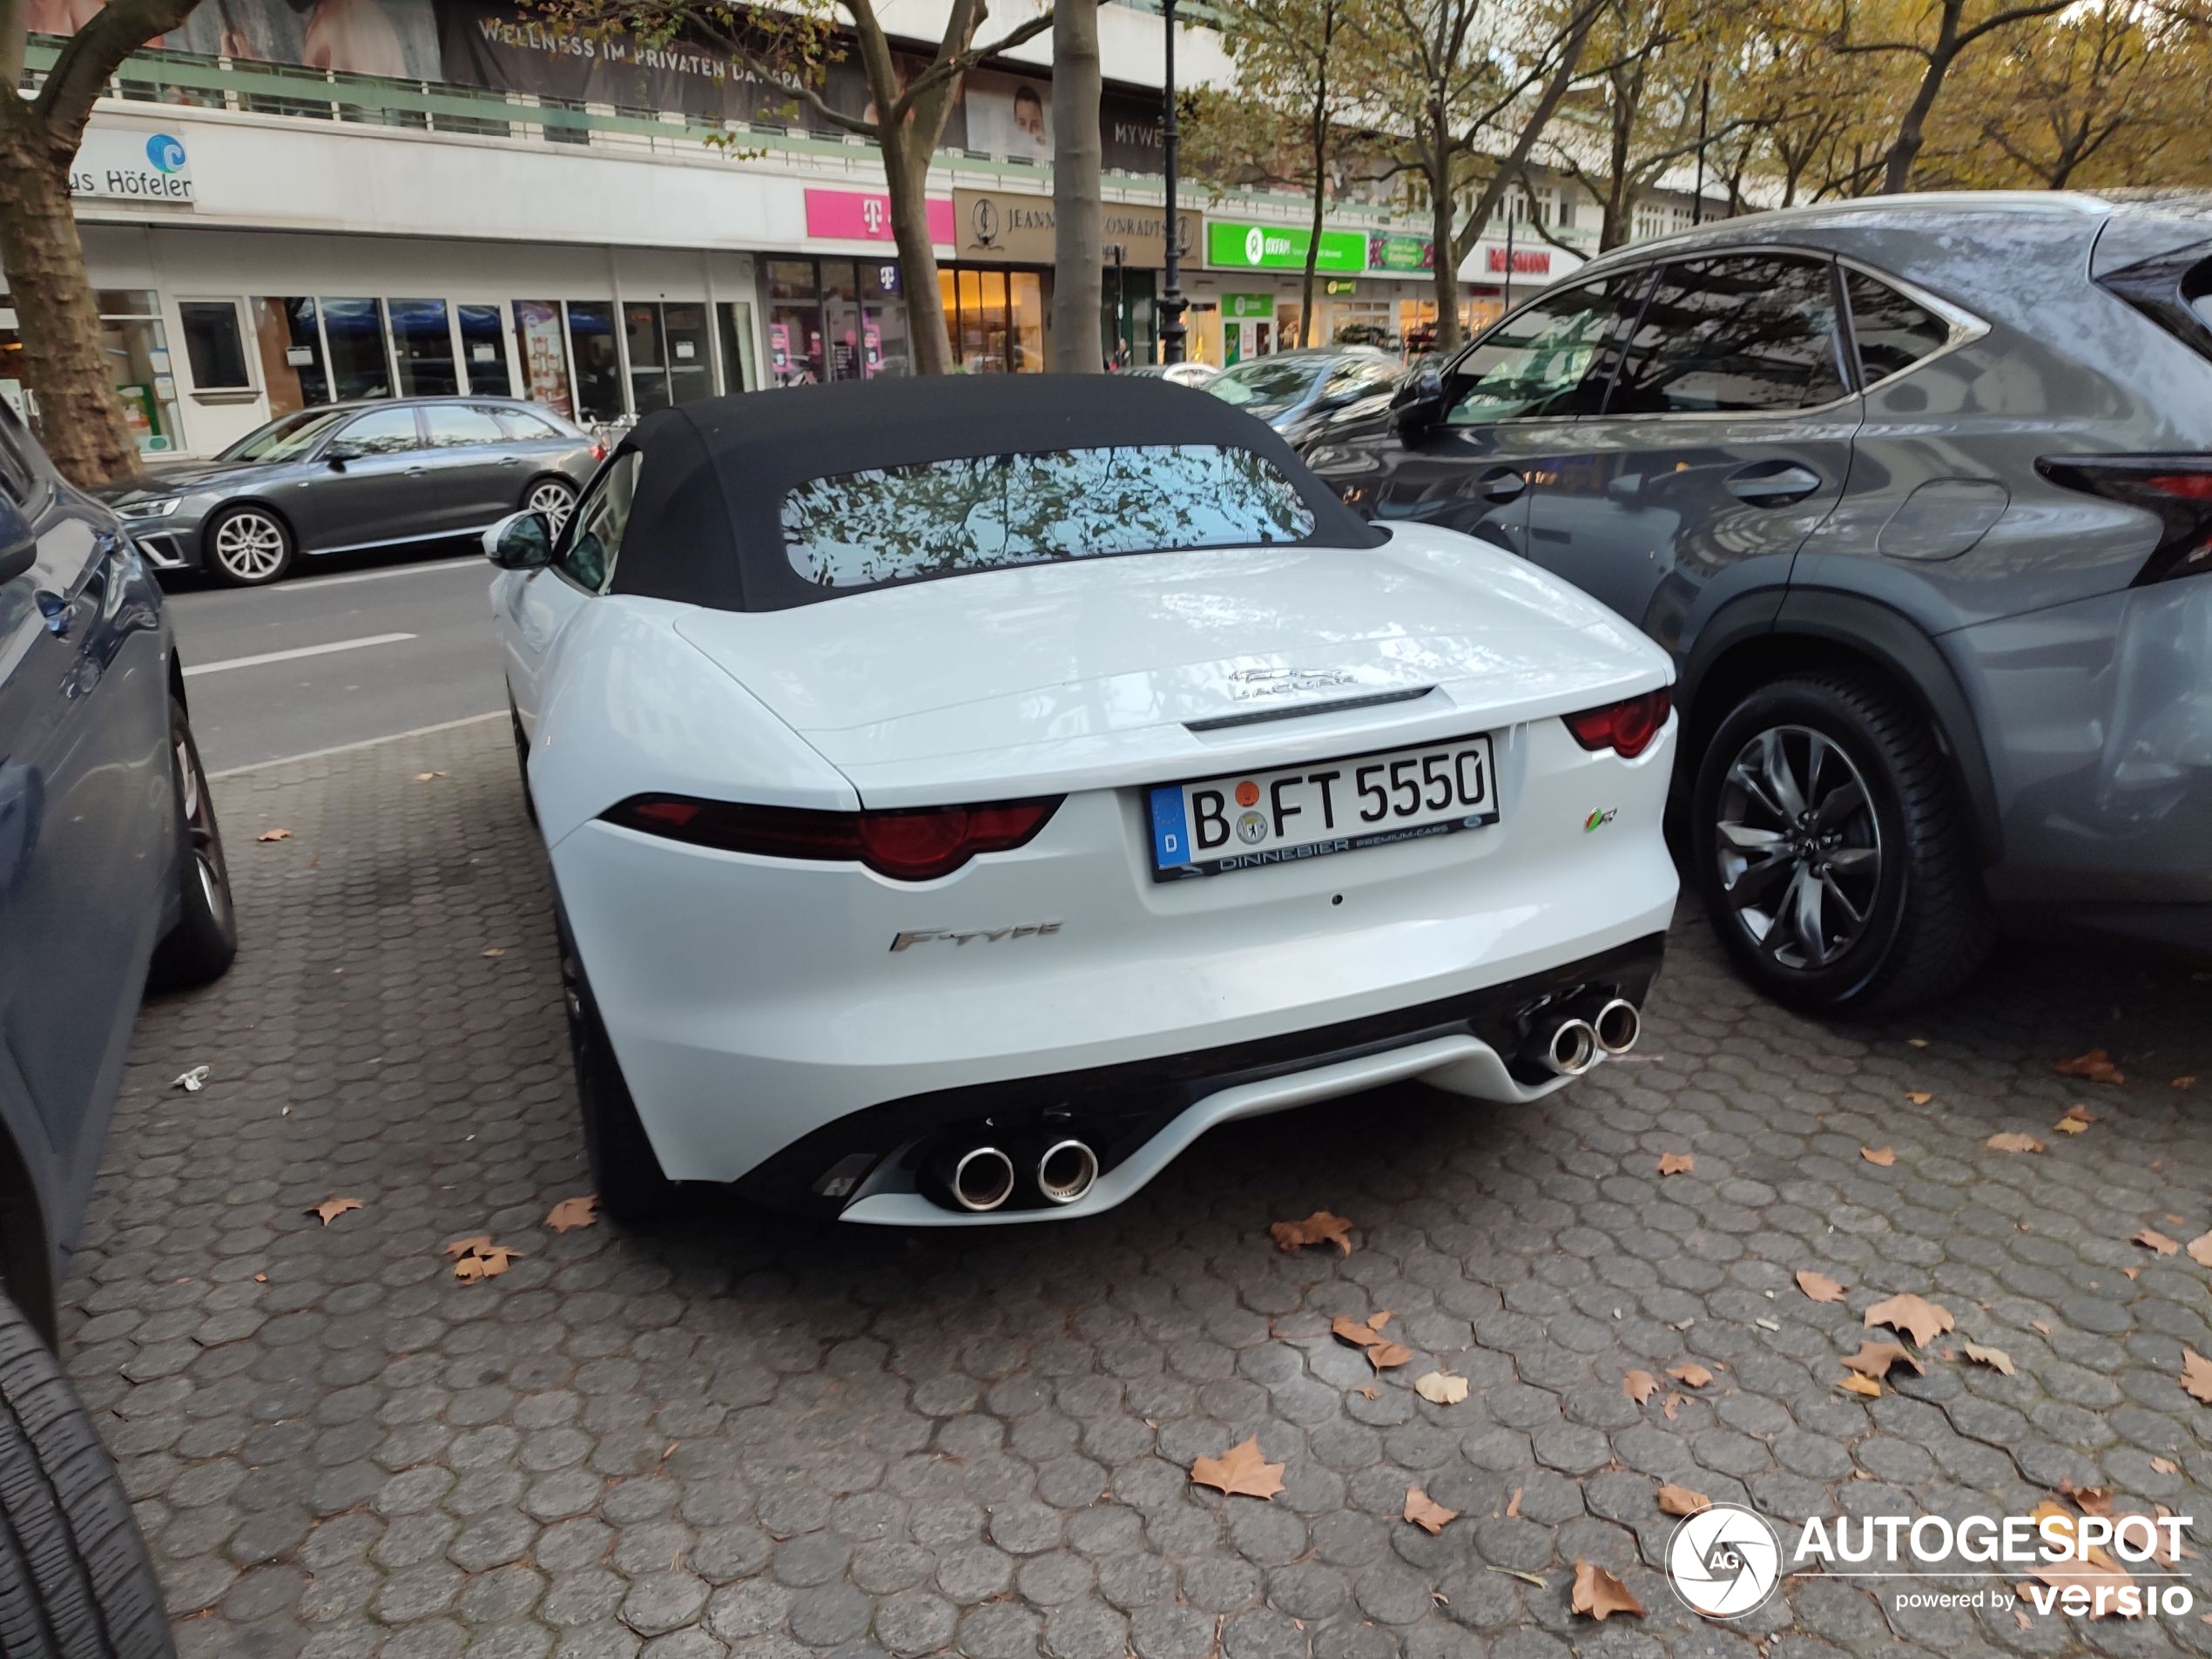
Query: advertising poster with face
point(1010, 115)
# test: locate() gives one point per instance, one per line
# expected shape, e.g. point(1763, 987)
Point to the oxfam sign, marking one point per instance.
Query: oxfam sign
point(1233, 246)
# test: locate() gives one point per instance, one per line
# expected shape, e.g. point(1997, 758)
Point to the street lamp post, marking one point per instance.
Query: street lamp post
point(1171, 302)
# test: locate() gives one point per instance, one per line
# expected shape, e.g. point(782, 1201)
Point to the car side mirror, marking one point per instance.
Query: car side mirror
point(520, 541)
point(339, 453)
point(18, 542)
point(1418, 404)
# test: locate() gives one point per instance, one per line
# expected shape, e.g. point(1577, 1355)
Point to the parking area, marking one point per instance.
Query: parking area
point(750, 1435)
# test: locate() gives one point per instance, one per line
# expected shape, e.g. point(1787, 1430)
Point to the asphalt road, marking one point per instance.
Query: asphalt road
point(318, 662)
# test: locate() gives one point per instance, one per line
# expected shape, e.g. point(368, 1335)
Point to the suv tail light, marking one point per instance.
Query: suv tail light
point(1627, 728)
point(918, 845)
point(2176, 488)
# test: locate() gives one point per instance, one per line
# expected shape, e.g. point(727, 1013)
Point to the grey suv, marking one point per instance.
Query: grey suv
point(1919, 492)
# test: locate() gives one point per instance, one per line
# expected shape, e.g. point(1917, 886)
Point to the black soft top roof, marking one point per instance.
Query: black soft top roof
point(706, 525)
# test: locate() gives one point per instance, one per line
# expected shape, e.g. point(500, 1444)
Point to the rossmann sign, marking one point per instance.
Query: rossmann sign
point(116, 166)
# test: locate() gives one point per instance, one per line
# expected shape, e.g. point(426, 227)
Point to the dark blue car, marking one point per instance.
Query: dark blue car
point(111, 876)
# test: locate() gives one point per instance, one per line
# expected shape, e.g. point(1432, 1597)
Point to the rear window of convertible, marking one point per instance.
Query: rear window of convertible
point(862, 529)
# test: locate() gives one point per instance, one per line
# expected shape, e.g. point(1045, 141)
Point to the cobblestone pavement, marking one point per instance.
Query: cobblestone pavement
point(765, 1437)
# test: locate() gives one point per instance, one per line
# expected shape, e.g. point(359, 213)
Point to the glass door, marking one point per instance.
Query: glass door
point(484, 349)
point(690, 364)
point(648, 357)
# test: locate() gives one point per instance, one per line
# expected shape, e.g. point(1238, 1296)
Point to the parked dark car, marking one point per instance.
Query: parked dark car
point(1296, 391)
point(352, 477)
point(112, 872)
point(1918, 493)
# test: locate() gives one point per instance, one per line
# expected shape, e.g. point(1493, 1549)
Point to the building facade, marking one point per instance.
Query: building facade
point(467, 208)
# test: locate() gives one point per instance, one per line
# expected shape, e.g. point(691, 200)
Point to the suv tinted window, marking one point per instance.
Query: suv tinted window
point(382, 432)
point(455, 426)
point(1536, 361)
point(596, 530)
point(985, 512)
point(1748, 331)
point(1892, 331)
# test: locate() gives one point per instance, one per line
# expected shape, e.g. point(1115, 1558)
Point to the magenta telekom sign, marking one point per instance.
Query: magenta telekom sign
point(865, 216)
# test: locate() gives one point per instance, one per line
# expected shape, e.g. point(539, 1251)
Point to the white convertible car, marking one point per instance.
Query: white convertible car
point(962, 793)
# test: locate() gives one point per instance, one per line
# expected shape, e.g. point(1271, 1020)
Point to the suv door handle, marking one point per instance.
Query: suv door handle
point(1501, 484)
point(1767, 485)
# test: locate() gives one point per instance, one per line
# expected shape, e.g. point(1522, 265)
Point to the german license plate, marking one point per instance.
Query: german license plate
point(1245, 820)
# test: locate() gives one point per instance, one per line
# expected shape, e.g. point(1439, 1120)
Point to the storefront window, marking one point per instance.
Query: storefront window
point(734, 317)
point(353, 337)
point(483, 348)
point(290, 348)
point(545, 361)
point(598, 363)
point(214, 345)
point(885, 345)
point(423, 347)
point(1025, 317)
point(136, 352)
point(796, 356)
point(841, 319)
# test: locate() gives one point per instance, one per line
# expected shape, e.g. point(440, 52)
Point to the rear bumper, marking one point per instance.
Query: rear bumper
point(883, 1165)
point(754, 1002)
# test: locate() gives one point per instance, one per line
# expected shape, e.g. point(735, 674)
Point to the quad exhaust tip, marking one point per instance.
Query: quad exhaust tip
point(1573, 1048)
point(984, 1179)
point(1067, 1171)
point(1617, 1025)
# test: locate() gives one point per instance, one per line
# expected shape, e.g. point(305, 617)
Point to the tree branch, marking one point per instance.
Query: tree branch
point(90, 56)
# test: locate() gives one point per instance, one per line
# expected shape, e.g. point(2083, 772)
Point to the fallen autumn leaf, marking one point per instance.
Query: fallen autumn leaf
point(1874, 1358)
point(1995, 1359)
point(477, 1258)
point(1882, 1156)
point(1425, 1512)
point(2199, 1249)
point(2096, 1066)
point(2150, 1239)
point(1599, 1594)
point(1240, 1470)
point(1441, 1388)
point(1319, 1228)
point(1691, 1372)
point(1676, 1164)
point(582, 1211)
point(2197, 1375)
point(1360, 1335)
point(274, 835)
point(1819, 1286)
point(1918, 1096)
point(331, 1208)
point(1682, 1500)
point(1383, 1355)
point(1639, 1386)
point(2014, 1141)
point(1922, 1320)
point(1859, 1383)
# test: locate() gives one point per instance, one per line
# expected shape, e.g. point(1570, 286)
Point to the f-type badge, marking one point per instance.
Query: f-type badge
point(978, 936)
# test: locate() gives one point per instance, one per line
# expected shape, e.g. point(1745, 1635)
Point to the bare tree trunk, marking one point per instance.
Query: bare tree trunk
point(1444, 267)
point(1912, 134)
point(1320, 139)
point(80, 416)
point(1078, 161)
point(906, 170)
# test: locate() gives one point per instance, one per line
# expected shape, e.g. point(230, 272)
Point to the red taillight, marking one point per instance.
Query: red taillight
point(2178, 488)
point(1627, 728)
point(599, 452)
point(912, 846)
